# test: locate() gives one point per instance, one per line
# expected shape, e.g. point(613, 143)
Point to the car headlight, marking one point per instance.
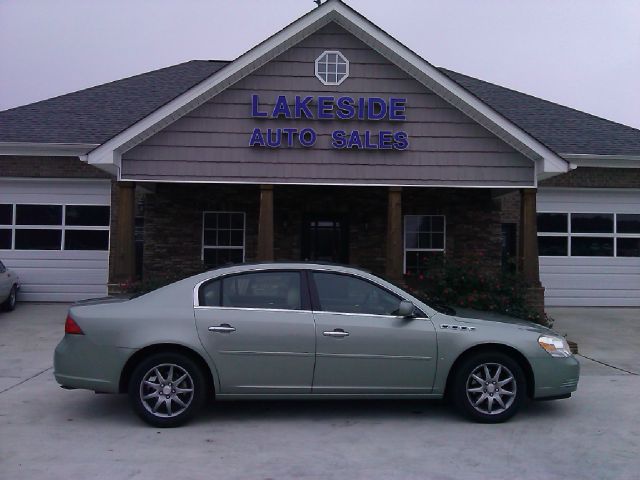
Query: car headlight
point(555, 346)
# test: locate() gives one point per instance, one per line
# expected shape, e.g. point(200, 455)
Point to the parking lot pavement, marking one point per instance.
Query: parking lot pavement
point(47, 432)
point(609, 335)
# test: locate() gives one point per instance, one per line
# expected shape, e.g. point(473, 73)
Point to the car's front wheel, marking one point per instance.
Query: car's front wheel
point(10, 303)
point(167, 389)
point(489, 387)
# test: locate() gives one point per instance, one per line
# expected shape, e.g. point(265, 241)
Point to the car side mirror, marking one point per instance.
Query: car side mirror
point(406, 309)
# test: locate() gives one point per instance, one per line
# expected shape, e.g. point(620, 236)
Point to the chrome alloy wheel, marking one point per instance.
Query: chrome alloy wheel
point(166, 390)
point(491, 388)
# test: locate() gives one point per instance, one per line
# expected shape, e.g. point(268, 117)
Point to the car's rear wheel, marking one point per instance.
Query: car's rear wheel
point(10, 303)
point(167, 389)
point(489, 387)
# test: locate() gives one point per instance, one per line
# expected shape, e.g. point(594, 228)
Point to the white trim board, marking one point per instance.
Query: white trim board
point(547, 162)
point(603, 161)
point(50, 149)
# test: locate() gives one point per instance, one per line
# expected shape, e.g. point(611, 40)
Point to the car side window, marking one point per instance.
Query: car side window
point(348, 294)
point(209, 294)
point(272, 289)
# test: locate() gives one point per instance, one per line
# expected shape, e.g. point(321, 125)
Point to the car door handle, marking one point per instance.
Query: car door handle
point(337, 333)
point(224, 328)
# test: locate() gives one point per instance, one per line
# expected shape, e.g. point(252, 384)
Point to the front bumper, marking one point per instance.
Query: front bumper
point(555, 377)
point(80, 363)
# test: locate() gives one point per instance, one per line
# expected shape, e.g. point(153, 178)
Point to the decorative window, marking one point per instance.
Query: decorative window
point(332, 68)
point(54, 227)
point(588, 234)
point(422, 234)
point(223, 238)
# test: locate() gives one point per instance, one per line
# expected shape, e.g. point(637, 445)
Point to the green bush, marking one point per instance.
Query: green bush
point(470, 283)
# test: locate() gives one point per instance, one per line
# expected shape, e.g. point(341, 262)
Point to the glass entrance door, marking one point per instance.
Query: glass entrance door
point(325, 238)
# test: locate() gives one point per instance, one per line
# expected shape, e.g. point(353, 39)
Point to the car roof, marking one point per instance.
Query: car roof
point(287, 264)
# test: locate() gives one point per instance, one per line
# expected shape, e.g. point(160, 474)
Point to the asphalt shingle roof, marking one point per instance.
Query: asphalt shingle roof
point(99, 113)
point(563, 129)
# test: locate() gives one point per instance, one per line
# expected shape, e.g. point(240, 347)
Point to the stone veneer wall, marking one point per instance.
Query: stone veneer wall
point(173, 221)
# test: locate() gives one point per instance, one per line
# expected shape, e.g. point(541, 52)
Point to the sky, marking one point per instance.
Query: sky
point(581, 53)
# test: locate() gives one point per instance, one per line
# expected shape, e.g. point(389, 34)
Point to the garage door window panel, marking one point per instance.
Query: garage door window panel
point(628, 247)
point(87, 215)
point(589, 234)
point(553, 234)
point(86, 227)
point(38, 214)
point(5, 239)
point(38, 239)
point(6, 226)
point(6, 214)
point(86, 240)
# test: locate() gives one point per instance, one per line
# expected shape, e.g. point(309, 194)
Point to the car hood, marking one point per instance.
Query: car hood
point(479, 317)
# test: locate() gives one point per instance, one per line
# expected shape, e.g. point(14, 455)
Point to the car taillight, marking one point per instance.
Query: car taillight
point(71, 327)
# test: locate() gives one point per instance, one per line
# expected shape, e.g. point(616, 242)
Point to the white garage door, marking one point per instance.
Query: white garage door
point(55, 235)
point(589, 245)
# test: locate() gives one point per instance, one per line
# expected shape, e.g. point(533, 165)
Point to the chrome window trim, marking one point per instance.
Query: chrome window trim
point(311, 269)
point(250, 309)
point(196, 289)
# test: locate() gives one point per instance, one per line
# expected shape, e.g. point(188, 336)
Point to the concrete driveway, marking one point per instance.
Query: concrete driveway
point(47, 432)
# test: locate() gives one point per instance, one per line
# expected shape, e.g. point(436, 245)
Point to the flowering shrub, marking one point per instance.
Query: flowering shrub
point(469, 283)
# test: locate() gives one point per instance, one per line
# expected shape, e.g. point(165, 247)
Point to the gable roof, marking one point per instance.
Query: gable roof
point(116, 116)
point(563, 129)
point(96, 114)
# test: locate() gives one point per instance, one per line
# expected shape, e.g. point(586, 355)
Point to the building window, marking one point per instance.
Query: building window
point(332, 68)
point(588, 234)
point(223, 238)
point(54, 227)
point(422, 234)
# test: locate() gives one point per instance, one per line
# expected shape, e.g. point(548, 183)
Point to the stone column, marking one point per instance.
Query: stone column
point(394, 266)
point(528, 251)
point(265, 224)
point(122, 240)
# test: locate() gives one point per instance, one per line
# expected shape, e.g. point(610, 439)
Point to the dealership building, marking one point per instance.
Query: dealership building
point(329, 141)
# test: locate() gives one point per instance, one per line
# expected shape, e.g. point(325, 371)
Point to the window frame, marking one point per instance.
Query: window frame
point(404, 237)
point(63, 227)
point(225, 247)
point(305, 298)
point(318, 74)
point(569, 234)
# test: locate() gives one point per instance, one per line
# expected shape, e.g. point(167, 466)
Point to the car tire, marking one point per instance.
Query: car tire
point(489, 387)
point(10, 303)
point(167, 389)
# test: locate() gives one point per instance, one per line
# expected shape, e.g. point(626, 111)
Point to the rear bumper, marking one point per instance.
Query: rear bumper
point(555, 377)
point(80, 363)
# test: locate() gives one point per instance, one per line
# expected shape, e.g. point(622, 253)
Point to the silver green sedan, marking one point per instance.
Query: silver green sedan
point(305, 331)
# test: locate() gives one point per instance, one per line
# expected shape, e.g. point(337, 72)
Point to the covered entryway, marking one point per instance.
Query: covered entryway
point(54, 233)
point(589, 245)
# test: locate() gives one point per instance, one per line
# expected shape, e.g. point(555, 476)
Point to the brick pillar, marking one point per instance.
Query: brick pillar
point(265, 224)
point(122, 240)
point(528, 262)
point(394, 267)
